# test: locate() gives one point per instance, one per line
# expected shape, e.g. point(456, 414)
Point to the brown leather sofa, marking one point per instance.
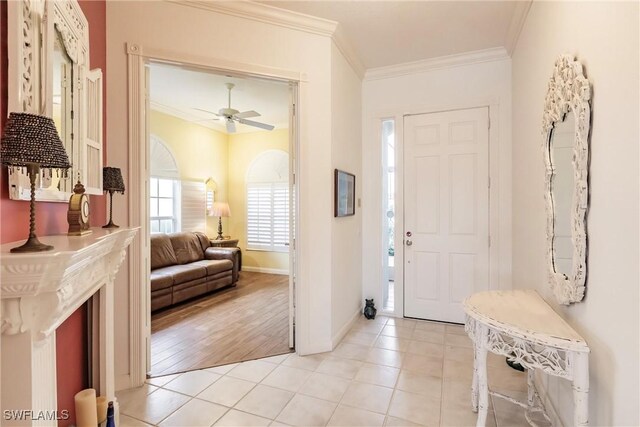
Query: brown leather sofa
point(184, 266)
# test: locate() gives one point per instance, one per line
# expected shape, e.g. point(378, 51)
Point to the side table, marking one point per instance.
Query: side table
point(520, 325)
point(224, 243)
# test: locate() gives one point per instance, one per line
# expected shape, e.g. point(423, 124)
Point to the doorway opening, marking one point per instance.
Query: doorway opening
point(388, 212)
point(221, 215)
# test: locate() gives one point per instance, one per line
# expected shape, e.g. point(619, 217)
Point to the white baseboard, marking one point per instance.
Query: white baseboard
point(282, 271)
point(313, 348)
point(345, 329)
point(549, 407)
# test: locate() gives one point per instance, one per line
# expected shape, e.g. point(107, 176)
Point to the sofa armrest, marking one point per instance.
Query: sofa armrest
point(232, 254)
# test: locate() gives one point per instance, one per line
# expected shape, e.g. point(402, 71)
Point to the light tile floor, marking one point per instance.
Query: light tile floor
point(387, 371)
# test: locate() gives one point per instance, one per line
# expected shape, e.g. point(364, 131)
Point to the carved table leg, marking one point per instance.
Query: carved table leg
point(480, 345)
point(474, 383)
point(581, 389)
point(530, 387)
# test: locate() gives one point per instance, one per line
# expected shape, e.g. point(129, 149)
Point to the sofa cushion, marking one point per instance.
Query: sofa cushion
point(204, 240)
point(214, 266)
point(160, 280)
point(191, 289)
point(187, 247)
point(162, 253)
point(184, 273)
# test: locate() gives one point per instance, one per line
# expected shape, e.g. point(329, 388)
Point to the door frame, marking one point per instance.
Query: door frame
point(499, 192)
point(138, 212)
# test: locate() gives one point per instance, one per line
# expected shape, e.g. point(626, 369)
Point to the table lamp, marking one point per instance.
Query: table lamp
point(113, 183)
point(31, 142)
point(220, 209)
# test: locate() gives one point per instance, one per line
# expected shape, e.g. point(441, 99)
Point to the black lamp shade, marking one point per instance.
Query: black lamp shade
point(32, 139)
point(112, 179)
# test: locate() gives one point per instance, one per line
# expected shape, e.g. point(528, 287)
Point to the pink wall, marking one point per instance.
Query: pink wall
point(71, 337)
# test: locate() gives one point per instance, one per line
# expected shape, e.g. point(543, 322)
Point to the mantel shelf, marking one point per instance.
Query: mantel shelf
point(39, 290)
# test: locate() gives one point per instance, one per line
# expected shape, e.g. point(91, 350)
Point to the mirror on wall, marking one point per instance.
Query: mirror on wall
point(562, 185)
point(62, 106)
point(49, 74)
point(565, 126)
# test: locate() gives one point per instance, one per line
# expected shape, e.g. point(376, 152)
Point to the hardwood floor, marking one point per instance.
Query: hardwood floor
point(246, 322)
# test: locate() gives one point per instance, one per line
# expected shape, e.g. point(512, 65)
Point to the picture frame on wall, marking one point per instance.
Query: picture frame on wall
point(345, 194)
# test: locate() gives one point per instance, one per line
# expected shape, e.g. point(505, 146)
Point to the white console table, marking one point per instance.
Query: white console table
point(520, 325)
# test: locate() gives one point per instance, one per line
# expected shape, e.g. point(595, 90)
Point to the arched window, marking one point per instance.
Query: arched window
point(164, 189)
point(268, 202)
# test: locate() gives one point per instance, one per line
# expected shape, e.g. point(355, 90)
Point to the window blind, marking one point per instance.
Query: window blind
point(193, 206)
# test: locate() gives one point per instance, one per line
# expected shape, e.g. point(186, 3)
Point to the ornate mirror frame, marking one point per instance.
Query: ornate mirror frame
point(32, 28)
point(568, 90)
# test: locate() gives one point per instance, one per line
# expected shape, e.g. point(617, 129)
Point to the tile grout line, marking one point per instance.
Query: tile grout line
point(353, 379)
point(361, 364)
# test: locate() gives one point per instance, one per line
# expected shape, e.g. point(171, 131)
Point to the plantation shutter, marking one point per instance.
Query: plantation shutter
point(91, 145)
point(268, 216)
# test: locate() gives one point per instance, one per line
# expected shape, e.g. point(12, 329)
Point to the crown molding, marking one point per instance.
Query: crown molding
point(283, 18)
point(265, 13)
point(456, 60)
point(517, 22)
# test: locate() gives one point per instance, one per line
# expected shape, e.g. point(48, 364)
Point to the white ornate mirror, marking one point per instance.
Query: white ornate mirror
point(49, 74)
point(566, 124)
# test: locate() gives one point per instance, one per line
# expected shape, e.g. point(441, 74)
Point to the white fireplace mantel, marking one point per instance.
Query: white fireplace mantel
point(39, 291)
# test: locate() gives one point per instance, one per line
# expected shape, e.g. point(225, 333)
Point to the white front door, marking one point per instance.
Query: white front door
point(446, 212)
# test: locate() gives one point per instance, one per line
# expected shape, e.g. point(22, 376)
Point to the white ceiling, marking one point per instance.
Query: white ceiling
point(382, 33)
point(385, 33)
point(177, 91)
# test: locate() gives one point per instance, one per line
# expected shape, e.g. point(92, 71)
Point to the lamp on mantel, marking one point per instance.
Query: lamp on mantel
point(220, 209)
point(113, 183)
point(31, 142)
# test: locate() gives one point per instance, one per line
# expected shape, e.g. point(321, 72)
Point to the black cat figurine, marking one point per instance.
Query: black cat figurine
point(369, 309)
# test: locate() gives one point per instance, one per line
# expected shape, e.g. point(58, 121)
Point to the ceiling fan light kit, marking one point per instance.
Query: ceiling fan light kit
point(231, 115)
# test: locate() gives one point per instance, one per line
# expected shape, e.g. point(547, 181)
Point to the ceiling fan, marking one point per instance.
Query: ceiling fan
point(230, 115)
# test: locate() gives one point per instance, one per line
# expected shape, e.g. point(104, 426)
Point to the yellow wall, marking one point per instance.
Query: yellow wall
point(200, 152)
point(243, 149)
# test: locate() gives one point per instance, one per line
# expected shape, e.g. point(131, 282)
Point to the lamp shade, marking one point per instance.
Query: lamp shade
point(32, 139)
point(112, 179)
point(220, 209)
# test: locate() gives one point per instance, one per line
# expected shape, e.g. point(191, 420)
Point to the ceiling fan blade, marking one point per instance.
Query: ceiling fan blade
point(206, 111)
point(231, 127)
point(246, 114)
point(256, 124)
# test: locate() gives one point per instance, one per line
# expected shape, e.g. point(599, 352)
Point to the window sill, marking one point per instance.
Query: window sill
point(284, 251)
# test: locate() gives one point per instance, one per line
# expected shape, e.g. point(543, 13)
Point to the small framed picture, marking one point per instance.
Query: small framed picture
point(345, 194)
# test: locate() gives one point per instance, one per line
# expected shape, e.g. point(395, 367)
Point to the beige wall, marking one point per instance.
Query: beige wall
point(244, 148)
point(200, 153)
point(604, 37)
point(346, 149)
point(451, 88)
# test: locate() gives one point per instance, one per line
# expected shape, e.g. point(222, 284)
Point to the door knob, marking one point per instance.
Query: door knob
point(409, 242)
